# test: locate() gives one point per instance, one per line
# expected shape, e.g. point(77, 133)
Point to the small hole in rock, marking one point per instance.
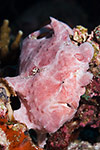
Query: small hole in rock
point(89, 134)
point(2, 147)
point(33, 135)
point(15, 102)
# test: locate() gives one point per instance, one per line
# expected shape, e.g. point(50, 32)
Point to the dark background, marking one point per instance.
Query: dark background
point(30, 15)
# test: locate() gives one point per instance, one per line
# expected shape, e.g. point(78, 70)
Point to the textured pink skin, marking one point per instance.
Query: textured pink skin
point(51, 96)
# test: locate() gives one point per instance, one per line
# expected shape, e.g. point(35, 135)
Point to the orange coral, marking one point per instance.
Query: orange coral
point(14, 134)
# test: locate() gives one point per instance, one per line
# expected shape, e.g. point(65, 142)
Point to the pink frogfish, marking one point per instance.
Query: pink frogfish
point(52, 77)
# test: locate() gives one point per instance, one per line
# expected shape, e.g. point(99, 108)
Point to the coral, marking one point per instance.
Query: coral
point(93, 89)
point(13, 134)
point(7, 47)
point(84, 114)
point(97, 34)
point(4, 38)
point(80, 35)
point(71, 130)
point(16, 42)
point(76, 145)
point(61, 138)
